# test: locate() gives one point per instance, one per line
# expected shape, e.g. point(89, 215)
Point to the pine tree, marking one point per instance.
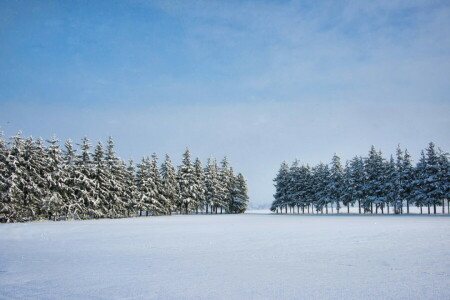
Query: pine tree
point(130, 190)
point(160, 203)
point(214, 187)
point(281, 189)
point(433, 190)
point(336, 181)
point(187, 183)
point(200, 185)
point(71, 206)
point(240, 197)
point(321, 174)
point(226, 178)
point(7, 205)
point(444, 167)
point(419, 193)
point(347, 187)
point(170, 185)
point(358, 181)
point(85, 189)
point(117, 194)
point(407, 178)
point(54, 200)
point(374, 185)
point(391, 184)
point(101, 179)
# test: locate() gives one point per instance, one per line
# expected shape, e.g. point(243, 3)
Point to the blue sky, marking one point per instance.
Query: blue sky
point(259, 81)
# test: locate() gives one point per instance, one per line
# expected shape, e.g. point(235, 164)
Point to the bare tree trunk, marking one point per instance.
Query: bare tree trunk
point(348, 208)
point(443, 206)
point(359, 206)
point(434, 207)
point(407, 206)
point(421, 210)
point(428, 208)
point(326, 208)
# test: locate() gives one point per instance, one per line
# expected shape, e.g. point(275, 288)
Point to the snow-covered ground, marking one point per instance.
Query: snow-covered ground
point(251, 256)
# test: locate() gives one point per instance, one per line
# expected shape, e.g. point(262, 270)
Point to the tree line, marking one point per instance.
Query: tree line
point(373, 183)
point(40, 181)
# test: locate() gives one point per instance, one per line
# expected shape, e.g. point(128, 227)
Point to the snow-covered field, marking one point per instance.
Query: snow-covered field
point(250, 256)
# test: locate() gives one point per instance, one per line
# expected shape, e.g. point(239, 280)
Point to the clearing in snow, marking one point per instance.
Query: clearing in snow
point(249, 256)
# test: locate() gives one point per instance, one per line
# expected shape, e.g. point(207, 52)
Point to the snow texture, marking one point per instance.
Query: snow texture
point(248, 256)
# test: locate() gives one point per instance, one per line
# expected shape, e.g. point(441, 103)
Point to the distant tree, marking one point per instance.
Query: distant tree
point(170, 187)
point(186, 183)
point(281, 189)
point(336, 182)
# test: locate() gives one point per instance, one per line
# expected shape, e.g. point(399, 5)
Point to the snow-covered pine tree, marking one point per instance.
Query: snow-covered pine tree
point(6, 204)
point(374, 185)
point(56, 186)
point(170, 184)
point(281, 197)
point(347, 187)
point(444, 166)
point(71, 206)
point(36, 183)
point(160, 203)
point(146, 188)
point(200, 192)
point(336, 181)
point(187, 183)
point(433, 189)
point(103, 186)
point(321, 183)
point(117, 195)
point(214, 187)
point(84, 183)
point(419, 193)
point(240, 197)
point(294, 185)
point(407, 178)
point(358, 181)
point(130, 191)
point(226, 178)
point(391, 185)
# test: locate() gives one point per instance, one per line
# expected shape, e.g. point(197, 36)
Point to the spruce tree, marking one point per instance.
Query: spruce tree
point(336, 181)
point(200, 185)
point(170, 184)
point(187, 183)
point(240, 197)
point(433, 189)
point(281, 189)
point(84, 183)
point(56, 186)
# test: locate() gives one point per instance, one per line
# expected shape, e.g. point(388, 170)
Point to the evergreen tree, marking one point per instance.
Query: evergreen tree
point(160, 203)
point(407, 178)
point(281, 189)
point(187, 183)
point(240, 197)
point(336, 181)
point(84, 183)
point(358, 180)
point(200, 185)
point(444, 166)
point(71, 206)
point(56, 186)
point(170, 185)
point(419, 193)
point(214, 187)
point(433, 188)
point(391, 184)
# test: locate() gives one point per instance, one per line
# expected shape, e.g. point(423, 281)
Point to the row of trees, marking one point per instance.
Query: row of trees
point(372, 182)
point(46, 182)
